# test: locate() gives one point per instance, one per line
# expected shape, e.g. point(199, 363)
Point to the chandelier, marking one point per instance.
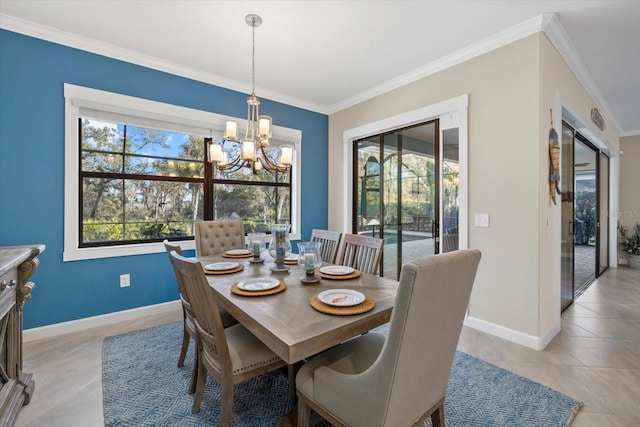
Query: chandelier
point(252, 151)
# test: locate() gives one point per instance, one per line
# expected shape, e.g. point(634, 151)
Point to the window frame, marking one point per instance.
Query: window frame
point(182, 119)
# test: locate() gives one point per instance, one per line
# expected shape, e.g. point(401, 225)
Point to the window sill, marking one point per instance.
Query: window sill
point(80, 254)
point(137, 249)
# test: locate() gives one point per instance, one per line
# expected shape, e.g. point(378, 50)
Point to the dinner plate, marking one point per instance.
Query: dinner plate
point(292, 257)
point(238, 252)
point(336, 270)
point(341, 297)
point(221, 266)
point(258, 284)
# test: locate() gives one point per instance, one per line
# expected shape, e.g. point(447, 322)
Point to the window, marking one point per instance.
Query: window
point(135, 174)
point(260, 199)
point(138, 184)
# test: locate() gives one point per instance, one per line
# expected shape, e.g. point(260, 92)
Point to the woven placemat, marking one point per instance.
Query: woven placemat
point(231, 270)
point(236, 290)
point(356, 273)
point(237, 256)
point(291, 261)
point(363, 307)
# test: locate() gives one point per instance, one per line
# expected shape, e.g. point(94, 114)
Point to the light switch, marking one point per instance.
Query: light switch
point(482, 220)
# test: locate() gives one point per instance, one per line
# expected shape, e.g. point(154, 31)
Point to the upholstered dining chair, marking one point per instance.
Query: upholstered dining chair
point(399, 380)
point(330, 243)
point(217, 237)
point(189, 328)
point(361, 252)
point(231, 355)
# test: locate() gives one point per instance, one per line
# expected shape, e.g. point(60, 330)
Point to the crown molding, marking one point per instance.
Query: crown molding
point(64, 38)
point(548, 23)
point(632, 132)
point(486, 45)
point(561, 41)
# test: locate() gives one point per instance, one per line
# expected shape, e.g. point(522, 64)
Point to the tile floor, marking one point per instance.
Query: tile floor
point(595, 359)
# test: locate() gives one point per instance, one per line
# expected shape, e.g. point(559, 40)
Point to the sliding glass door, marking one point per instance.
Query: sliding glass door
point(566, 232)
point(406, 191)
point(585, 223)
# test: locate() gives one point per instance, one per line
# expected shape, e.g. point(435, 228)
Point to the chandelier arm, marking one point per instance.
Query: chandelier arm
point(233, 166)
point(270, 164)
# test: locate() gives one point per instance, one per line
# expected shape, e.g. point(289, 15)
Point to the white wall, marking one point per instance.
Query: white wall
point(511, 89)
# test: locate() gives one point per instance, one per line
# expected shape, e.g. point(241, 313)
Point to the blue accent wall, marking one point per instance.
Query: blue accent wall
point(32, 74)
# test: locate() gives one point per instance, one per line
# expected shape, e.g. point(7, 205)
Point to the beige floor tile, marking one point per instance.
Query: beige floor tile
point(578, 310)
point(587, 419)
point(601, 353)
point(570, 328)
point(613, 310)
point(608, 328)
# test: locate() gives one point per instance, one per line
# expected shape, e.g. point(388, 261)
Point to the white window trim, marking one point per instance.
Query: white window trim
point(454, 113)
point(77, 97)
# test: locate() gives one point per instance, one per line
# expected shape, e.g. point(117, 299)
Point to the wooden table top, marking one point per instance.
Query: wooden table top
point(286, 322)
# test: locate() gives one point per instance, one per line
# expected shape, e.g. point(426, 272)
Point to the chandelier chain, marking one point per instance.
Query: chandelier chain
point(253, 57)
point(257, 132)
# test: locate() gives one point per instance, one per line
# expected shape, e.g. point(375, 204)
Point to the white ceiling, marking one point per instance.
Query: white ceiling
point(327, 55)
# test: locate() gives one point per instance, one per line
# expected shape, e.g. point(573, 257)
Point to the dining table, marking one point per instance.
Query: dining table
point(285, 321)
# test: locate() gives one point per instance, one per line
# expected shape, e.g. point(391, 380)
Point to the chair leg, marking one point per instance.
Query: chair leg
point(226, 406)
point(304, 414)
point(202, 380)
point(437, 417)
point(194, 371)
point(185, 347)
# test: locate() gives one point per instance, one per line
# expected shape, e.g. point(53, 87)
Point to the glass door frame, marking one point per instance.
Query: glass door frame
point(600, 240)
point(452, 112)
point(603, 174)
point(383, 154)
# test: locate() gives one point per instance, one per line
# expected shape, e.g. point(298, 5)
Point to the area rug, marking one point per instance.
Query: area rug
point(143, 387)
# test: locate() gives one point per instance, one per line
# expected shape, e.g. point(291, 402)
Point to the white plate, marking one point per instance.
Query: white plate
point(292, 257)
point(221, 266)
point(341, 297)
point(238, 252)
point(258, 284)
point(336, 270)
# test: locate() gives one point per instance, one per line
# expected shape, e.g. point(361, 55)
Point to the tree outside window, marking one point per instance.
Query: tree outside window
point(144, 185)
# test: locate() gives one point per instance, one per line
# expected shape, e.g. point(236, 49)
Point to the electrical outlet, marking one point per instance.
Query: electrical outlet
point(125, 280)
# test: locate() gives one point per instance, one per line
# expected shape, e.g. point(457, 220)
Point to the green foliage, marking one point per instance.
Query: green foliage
point(130, 207)
point(585, 212)
point(630, 244)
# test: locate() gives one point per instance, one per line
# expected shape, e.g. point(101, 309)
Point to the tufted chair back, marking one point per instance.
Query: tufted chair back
point(217, 237)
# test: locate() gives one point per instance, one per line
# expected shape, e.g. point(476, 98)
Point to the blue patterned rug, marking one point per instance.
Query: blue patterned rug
point(143, 387)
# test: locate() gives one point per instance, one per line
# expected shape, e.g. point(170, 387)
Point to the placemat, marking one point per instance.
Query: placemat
point(363, 307)
point(291, 261)
point(236, 290)
point(237, 256)
point(231, 270)
point(356, 273)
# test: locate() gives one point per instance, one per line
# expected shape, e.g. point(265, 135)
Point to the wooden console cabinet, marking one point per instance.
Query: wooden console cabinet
point(17, 265)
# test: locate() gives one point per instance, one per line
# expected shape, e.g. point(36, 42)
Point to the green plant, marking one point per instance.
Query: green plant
point(630, 244)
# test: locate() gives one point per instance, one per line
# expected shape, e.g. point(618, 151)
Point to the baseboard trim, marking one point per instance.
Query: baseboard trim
point(550, 335)
point(56, 329)
point(531, 341)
